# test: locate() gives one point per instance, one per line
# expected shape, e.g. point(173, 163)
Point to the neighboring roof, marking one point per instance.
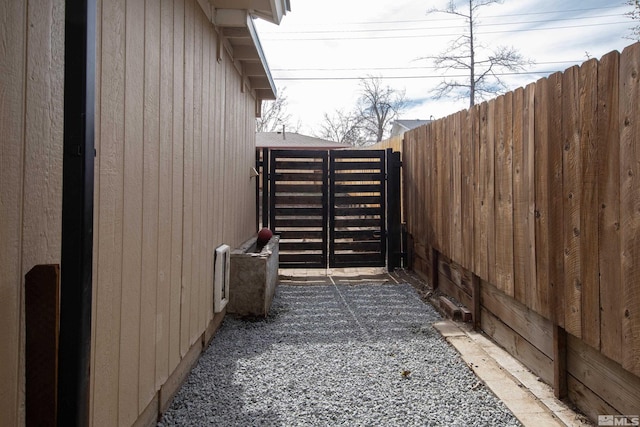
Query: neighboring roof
point(292, 140)
point(410, 124)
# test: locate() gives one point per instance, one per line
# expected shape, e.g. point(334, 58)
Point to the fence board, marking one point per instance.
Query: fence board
point(504, 194)
point(455, 178)
point(544, 180)
point(490, 191)
point(539, 297)
point(589, 199)
point(467, 133)
point(572, 174)
point(480, 202)
point(609, 215)
point(528, 134)
point(554, 305)
point(520, 199)
point(630, 204)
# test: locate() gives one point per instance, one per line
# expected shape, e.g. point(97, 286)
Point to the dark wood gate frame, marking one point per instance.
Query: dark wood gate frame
point(334, 208)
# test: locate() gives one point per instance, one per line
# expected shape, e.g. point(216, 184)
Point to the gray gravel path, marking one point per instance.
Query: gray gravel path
point(352, 355)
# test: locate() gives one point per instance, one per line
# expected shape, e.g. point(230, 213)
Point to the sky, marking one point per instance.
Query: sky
point(321, 49)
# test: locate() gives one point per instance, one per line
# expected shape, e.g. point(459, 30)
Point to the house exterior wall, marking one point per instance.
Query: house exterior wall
point(174, 144)
point(175, 141)
point(31, 113)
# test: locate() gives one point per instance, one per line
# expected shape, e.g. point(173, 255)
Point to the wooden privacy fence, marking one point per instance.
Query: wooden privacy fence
point(536, 195)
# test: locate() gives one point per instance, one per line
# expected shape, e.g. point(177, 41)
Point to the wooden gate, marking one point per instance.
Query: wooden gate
point(334, 208)
point(357, 220)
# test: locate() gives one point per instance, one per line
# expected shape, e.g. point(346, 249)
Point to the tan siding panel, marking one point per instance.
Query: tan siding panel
point(187, 238)
point(165, 195)
point(132, 215)
point(177, 185)
point(13, 25)
point(108, 215)
point(150, 197)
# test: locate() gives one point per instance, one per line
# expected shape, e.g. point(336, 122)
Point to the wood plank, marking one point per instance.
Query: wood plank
point(610, 381)
point(530, 325)
point(108, 215)
point(177, 185)
point(538, 297)
point(539, 363)
point(455, 179)
point(490, 190)
point(589, 248)
point(442, 184)
point(460, 276)
point(586, 400)
point(468, 138)
point(481, 200)
point(520, 200)
point(529, 188)
point(165, 199)
point(446, 286)
point(426, 181)
point(572, 174)
point(504, 194)
point(609, 195)
point(554, 289)
point(630, 204)
point(128, 409)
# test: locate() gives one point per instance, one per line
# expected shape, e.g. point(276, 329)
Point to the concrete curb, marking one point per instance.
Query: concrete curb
point(530, 400)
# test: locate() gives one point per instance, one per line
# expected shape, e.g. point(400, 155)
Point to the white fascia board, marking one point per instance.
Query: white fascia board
point(263, 59)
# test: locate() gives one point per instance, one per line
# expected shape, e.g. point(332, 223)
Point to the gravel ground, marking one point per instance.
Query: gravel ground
point(353, 355)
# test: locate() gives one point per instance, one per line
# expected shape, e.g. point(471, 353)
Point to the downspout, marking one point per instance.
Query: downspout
point(77, 214)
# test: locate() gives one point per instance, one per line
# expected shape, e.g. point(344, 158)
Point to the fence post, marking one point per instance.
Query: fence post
point(394, 233)
point(434, 268)
point(265, 187)
point(475, 289)
point(559, 362)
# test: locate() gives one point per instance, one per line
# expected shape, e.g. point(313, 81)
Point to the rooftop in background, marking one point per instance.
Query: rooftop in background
point(401, 126)
point(292, 140)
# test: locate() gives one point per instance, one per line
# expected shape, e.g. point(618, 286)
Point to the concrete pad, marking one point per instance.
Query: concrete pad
point(530, 400)
point(448, 329)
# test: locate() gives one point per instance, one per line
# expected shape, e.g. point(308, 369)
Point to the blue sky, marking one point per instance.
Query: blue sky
point(322, 48)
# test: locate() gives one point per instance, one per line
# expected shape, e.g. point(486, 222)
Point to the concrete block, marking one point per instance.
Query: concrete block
point(253, 278)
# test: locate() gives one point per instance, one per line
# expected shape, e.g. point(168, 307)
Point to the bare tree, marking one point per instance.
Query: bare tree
point(343, 127)
point(378, 106)
point(635, 15)
point(274, 115)
point(482, 64)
